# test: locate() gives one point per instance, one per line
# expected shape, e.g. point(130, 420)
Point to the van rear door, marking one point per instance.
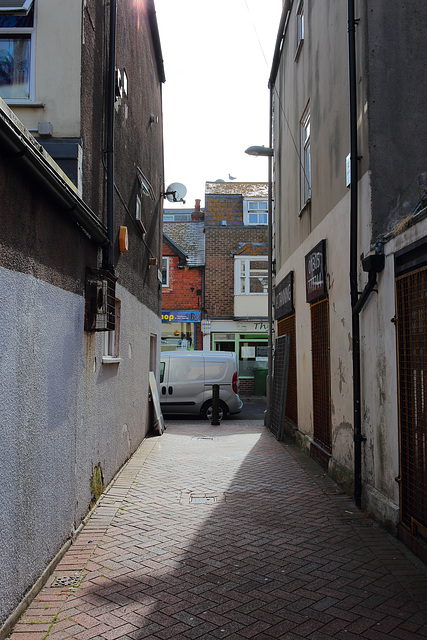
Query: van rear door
point(218, 370)
point(182, 390)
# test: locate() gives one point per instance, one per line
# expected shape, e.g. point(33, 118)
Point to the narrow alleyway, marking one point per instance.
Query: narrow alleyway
point(223, 532)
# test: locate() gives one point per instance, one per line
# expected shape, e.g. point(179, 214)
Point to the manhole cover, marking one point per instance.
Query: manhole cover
point(202, 438)
point(66, 581)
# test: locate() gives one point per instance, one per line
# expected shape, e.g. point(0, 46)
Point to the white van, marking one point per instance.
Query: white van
point(186, 379)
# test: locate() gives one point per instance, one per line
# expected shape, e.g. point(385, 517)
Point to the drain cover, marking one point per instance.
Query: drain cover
point(203, 499)
point(66, 581)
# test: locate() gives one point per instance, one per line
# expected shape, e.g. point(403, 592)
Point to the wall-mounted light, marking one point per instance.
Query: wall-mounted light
point(259, 151)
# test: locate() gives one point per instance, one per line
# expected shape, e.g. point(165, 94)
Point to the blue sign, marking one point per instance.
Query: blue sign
point(181, 316)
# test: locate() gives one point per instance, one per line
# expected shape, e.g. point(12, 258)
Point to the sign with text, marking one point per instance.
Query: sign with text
point(284, 295)
point(315, 271)
point(181, 316)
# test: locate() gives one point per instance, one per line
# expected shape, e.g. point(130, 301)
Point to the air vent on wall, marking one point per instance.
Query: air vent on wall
point(100, 300)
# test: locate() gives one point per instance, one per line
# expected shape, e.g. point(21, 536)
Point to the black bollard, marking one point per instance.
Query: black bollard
point(215, 405)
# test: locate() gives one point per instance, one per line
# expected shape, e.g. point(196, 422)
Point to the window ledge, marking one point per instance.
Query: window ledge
point(110, 360)
point(31, 105)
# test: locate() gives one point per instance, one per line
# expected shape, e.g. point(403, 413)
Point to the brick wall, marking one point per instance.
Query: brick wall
point(184, 282)
point(221, 243)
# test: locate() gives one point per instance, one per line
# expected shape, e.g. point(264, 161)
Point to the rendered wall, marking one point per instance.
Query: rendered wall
point(63, 414)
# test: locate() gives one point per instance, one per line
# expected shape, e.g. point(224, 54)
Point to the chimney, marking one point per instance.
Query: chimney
point(197, 214)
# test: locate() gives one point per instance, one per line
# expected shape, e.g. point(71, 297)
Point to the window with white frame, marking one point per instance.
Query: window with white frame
point(251, 275)
point(165, 271)
point(305, 158)
point(300, 26)
point(255, 211)
point(112, 338)
point(17, 50)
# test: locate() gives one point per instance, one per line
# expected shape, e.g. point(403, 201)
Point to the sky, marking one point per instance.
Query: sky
point(217, 58)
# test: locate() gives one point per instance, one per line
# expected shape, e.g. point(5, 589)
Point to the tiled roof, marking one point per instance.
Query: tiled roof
point(252, 249)
point(190, 237)
point(246, 189)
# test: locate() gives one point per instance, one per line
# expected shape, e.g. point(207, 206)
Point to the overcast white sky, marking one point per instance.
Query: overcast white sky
point(217, 57)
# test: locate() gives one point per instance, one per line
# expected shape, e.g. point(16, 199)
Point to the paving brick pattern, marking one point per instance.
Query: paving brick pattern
point(223, 532)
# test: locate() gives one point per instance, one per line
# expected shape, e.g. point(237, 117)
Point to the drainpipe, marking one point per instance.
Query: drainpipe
point(108, 259)
point(270, 271)
point(357, 422)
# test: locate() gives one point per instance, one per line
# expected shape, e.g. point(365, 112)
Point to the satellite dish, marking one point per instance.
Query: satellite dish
point(176, 192)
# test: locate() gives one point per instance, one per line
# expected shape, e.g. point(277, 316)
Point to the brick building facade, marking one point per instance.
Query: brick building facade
point(183, 279)
point(236, 234)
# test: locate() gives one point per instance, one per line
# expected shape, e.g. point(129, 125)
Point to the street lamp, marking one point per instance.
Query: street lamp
point(268, 152)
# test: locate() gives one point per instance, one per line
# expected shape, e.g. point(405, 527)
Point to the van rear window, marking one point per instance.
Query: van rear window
point(162, 371)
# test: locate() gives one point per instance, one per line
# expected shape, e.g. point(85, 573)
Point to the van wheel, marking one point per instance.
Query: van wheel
point(206, 410)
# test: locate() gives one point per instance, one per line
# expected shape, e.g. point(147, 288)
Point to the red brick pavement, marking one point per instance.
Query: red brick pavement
point(223, 532)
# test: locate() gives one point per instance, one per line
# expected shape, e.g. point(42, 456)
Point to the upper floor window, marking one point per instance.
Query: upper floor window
point(17, 35)
point(251, 275)
point(300, 26)
point(165, 271)
point(255, 211)
point(305, 158)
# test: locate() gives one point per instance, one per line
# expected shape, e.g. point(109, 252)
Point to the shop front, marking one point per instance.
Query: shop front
point(249, 341)
point(180, 330)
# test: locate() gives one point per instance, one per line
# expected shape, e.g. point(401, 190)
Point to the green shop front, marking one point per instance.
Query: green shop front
point(249, 341)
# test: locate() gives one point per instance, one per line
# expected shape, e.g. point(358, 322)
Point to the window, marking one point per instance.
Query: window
point(165, 272)
point(300, 26)
point(17, 36)
point(138, 212)
point(251, 276)
point(112, 338)
point(255, 212)
point(305, 159)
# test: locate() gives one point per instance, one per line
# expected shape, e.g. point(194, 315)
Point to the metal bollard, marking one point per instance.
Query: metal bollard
point(215, 405)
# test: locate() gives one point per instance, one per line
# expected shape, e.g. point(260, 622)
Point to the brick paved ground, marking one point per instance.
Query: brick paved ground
point(222, 532)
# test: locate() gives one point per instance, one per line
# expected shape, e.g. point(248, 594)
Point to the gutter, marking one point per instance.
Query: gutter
point(19, 145)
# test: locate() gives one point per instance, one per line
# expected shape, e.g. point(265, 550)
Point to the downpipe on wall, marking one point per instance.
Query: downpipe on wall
point(108, 258)
point(357, 423)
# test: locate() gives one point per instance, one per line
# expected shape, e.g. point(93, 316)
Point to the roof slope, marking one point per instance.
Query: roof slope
point(246, 189)
point(190, 237)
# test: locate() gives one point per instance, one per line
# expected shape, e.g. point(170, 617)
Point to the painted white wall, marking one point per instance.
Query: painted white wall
point(335, 229)
point(58, 44)
point(251, 306)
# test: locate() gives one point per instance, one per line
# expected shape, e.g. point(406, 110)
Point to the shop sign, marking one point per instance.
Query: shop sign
point(315, 280)
point(181, 316)
point(284, 292)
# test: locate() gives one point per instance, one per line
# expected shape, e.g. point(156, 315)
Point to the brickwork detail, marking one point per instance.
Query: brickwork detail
point(221, 244)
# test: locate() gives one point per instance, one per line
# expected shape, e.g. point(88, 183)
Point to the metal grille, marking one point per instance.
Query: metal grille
point(321, 373)
point(278, 394)
point(287, 325)
point(100, 301)
point(411, 298)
